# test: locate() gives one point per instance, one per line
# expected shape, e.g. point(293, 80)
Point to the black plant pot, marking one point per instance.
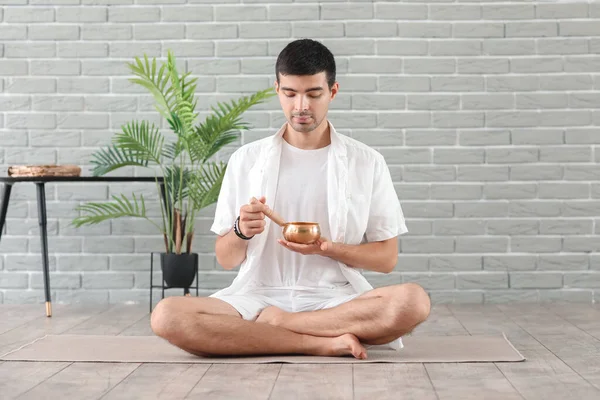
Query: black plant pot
point(179, 270)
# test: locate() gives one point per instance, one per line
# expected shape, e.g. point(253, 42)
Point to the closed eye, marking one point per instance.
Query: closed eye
point(312, 97)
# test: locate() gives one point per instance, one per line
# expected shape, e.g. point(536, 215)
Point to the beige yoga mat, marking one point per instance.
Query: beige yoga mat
point(152, 349)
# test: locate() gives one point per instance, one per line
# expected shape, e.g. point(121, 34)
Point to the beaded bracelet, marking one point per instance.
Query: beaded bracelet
point(238, 232)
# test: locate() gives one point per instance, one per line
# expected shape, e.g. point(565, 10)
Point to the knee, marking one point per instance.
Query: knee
point(413, 304)
point(162, 319)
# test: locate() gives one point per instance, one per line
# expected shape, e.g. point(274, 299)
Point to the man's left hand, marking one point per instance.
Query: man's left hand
point(321, 247)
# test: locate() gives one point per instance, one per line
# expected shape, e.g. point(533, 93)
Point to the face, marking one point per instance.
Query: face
point(305, 99)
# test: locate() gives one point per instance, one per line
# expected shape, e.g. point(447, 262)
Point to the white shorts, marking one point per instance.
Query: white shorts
point(250, 303)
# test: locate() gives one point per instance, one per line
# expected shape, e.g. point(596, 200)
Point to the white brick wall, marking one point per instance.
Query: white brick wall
point(487, 113)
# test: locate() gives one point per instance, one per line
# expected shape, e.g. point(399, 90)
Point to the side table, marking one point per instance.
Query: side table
point(40, 182)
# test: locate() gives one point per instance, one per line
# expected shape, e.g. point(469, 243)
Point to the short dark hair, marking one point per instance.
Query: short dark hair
point(306, 57)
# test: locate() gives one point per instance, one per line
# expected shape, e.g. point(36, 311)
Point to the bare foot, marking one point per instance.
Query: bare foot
point(347, 344)
point(271, 315)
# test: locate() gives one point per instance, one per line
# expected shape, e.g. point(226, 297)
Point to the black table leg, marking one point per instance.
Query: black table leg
point(42, 218)
point(151, 280)
point(4, 209)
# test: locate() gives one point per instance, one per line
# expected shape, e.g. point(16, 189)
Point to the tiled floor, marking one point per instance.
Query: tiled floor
point(561, 343)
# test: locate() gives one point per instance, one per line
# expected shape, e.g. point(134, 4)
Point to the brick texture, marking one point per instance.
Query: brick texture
point(486, 113)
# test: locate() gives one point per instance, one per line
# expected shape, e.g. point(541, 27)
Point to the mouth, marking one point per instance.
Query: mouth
point(302, 119)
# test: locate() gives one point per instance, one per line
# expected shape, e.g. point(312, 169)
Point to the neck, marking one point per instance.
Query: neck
point(316, 139)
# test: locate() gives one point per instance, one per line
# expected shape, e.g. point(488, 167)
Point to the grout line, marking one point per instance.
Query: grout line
point(47, 379)
point(550, 351)
point(121, 381)
point(199, 379)
point(437, 396)
point(275, 382)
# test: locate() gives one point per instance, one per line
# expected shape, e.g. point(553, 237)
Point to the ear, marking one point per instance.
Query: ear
point(276, 86)
point(334, 90)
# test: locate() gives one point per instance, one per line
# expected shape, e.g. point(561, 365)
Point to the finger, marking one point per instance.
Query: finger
point(256, 223)
point(258, 207)
point(290, 248)
point(258, 201)
point(254, 226)
point(252, 231)
point(286, 244)
point(298, 246)
point(251, 216)
point(254, 208)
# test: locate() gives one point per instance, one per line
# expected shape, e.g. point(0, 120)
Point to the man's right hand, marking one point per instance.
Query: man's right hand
point(252, 217)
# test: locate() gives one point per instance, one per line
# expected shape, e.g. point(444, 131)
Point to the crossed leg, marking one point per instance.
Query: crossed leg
point(211, 327)
point(378, 316)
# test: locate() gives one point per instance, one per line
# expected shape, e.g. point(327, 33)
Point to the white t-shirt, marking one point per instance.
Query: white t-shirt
point(301, 196)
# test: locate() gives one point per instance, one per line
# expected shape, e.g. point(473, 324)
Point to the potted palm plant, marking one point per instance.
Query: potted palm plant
point(189, 180)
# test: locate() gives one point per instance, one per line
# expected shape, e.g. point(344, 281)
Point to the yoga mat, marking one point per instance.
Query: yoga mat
point(152, 349)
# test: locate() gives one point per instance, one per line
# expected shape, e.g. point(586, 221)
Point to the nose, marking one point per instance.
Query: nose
point(301, 103)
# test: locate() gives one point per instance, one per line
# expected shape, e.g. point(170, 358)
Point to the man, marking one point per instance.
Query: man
point(287, 297)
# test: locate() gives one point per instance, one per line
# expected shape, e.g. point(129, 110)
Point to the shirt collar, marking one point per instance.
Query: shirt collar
point(336, 142)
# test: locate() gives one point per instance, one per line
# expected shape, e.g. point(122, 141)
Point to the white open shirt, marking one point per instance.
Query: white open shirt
point(362, 202)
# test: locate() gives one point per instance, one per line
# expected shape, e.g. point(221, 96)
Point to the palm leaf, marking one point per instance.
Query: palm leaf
point(185, 111)
point(183, 90)
point(223, 126)
point(205, 185)
point(172, 150)
point(176, 125)
point(156, 83)
point(111, 158)
point(202, 151)
point(236, 108)
point(120, 207)
point(186, 103)
point(220, 142)
point(172, 182)
point(142, 139)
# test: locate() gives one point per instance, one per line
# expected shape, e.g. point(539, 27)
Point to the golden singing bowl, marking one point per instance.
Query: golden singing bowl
point(301, 232)
point(296, 232)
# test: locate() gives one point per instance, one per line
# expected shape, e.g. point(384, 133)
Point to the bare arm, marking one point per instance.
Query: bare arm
point(230, 250)
point(374, 256)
